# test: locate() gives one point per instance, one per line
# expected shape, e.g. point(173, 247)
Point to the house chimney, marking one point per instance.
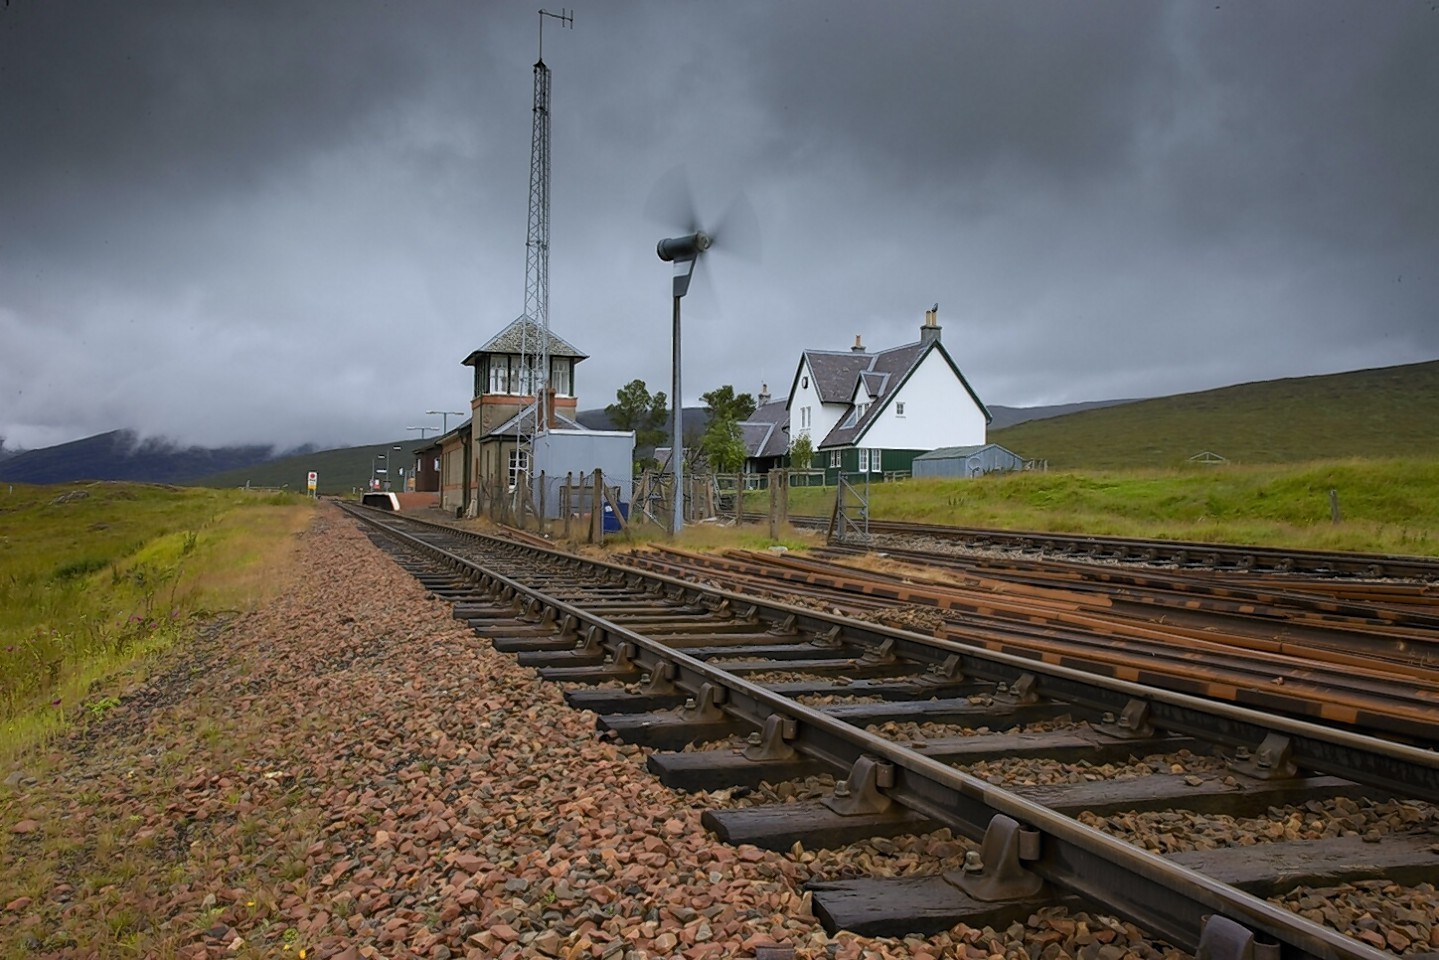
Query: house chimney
point(929, 332)
point(763, 394)
point(858, 347)
point(551, 417)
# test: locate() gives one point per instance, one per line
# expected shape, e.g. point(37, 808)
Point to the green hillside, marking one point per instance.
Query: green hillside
point(339, 471)
point(1386, 412)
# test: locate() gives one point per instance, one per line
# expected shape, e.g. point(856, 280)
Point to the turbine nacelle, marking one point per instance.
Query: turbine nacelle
point(683, 252)
point(680, 249)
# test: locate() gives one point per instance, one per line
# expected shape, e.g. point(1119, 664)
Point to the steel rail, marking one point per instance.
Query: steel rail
point(1181, 552)
point(1164, 898)
point(1334, 641)
point(1168, 588)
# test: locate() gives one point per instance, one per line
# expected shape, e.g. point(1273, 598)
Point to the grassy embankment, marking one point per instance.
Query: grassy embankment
point(96, 576)
point(1386, 506)
point(1365, 414)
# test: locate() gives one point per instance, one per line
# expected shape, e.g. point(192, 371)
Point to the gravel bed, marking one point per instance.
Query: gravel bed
point(352, 773)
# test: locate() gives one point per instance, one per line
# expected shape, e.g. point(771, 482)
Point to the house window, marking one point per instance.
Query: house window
point(804, 418)
point(899, 409)
point(860, 409)
point(873, 460)
point(519, 467)
point(560, 376)
point(834, 459)
point(864, 460)
point(804, 383)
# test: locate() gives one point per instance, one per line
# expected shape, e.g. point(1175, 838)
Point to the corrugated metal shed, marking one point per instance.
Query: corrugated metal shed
point(580, 451)
point(966, 461)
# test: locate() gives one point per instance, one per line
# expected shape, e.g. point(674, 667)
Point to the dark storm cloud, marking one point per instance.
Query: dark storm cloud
point(288, 222)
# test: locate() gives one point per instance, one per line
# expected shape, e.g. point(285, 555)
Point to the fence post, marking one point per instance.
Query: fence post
point(1334, 506)
point(738, 499)
point(565, 498)
point(778, 502)
point(597, 509)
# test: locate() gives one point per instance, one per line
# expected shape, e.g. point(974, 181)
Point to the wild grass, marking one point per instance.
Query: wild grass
point(1385, 506)
point(94, 576)
point(711, 537)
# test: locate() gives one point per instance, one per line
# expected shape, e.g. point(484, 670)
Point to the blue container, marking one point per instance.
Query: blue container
point(611, 522)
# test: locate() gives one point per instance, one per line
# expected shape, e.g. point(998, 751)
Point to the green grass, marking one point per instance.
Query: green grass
point(1383, 413)
point(93, 575)
point(1386, 506)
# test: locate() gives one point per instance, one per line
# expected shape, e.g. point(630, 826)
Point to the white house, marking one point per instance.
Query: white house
point(873, 413)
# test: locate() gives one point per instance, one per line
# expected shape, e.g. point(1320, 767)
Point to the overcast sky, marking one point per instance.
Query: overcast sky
point(288, 222)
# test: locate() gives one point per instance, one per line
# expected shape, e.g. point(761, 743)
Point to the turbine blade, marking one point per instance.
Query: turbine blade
point(737, 231)
point(671, 203)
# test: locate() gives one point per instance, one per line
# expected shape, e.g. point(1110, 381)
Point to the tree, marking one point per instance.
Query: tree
point(723, 445)
point(723, 441)
point(635, 409)
point(801, 453)
point(722, 403)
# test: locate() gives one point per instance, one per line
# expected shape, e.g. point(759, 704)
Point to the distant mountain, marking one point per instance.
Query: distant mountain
point(338, 471)
point(122, 455)
point(1009, 416)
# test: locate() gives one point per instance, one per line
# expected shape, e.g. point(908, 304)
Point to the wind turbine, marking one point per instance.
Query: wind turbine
point(684, 252)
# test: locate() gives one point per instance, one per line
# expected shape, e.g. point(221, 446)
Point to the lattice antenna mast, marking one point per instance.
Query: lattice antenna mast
point(537, 234)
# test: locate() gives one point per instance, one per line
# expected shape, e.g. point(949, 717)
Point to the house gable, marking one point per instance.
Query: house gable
point(820, 393)
point(931, 406)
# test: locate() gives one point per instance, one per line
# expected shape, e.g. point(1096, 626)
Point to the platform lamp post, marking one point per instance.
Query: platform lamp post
point(684, 252)
point(445, 415)
point(416, 470)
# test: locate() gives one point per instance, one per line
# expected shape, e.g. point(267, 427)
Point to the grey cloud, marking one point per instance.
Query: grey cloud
point(288, 222)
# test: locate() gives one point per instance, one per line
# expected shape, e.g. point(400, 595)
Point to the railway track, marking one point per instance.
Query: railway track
point(1178, 553)
point(898, 729)
point(1351, 669)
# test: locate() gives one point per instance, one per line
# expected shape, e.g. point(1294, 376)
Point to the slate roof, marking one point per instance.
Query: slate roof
point(960, 453)
point(764, 433)
point(885, 372)
point(509, 339)
point(834, 372)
